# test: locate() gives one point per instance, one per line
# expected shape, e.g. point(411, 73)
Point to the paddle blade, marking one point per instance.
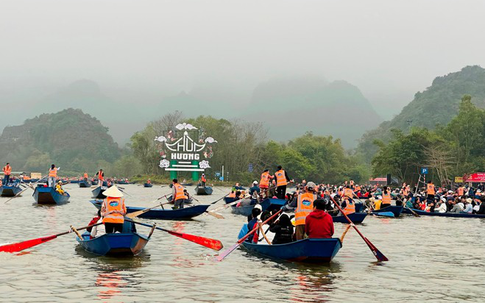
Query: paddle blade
point(15, 247)
point(207, 242)
point(221, 257)
point(214, 214)
point(379, 256)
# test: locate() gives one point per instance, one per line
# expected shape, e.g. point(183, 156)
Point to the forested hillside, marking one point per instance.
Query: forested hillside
point(71, 139)
point(437, 105)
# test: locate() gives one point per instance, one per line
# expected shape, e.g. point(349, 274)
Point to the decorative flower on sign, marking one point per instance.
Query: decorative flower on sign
point(210, 140)
point(204, 164)
point(164, 163)
point(185, 126)
point(161, 139)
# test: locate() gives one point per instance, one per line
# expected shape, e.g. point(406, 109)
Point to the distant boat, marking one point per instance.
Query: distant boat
point(396, 210)
point(84, 184)
point(449, 215)
point(49, 195)
point(10, 191)
point(203, 190)
point(165, 214)
point(307, 250)
point(266, 204)
point(127, 243)
point(147, 185)
point(98, 192)
point(354, 217)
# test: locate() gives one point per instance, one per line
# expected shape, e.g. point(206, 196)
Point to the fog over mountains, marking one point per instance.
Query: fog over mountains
point(287, 107)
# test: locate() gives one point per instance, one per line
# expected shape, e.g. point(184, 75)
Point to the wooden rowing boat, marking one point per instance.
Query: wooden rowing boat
point(203, 190)
point(10, 191)
point(49, 195)
point(307, 250)
point(164, 214)
point(435, 214)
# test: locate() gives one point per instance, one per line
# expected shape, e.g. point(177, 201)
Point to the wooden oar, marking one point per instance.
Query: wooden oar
point(240, 241)
point(212, 213)
point(140, 212)
point(412, 211)
point(16, 247)
point(207, 242)
point(380, 256)
point(344, 233)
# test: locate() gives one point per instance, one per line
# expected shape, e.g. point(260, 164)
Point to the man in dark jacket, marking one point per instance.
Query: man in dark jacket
point(481, 210)
point(319, 224)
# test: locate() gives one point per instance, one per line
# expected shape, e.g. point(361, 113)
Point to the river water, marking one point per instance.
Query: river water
point(432, 259)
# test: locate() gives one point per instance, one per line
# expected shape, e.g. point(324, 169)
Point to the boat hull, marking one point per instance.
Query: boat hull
point(9, 191)
point(396, 210)
point(147, 185)
point(48, 195)
point(307, 250)
point(98, 192)
point(84, 184)
point(449, 215)
point(354, 217)
point(165, 214)
point(203, 190)
point(115, 244)
point(266, 204)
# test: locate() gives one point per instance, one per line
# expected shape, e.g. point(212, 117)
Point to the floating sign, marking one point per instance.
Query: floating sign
point(182, 153)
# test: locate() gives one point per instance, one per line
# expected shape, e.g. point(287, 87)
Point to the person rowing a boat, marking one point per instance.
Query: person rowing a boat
point(264, 182)
point(113, 210)
point(178, 196)
point(100, 175)
point(203, 180)
point(52, 175)
point(7, 171)
point(282, 180)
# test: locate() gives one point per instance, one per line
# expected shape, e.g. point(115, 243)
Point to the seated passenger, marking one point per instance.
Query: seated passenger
point(319, 224)
point(283, 230)
point(252, 224)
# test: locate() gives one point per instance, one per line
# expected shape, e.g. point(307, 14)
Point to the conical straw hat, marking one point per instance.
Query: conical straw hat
point(113, 192)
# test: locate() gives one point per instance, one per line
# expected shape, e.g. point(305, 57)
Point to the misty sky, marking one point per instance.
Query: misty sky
point(389, 49)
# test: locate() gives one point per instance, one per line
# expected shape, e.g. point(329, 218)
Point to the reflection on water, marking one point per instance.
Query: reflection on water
point(431, 258)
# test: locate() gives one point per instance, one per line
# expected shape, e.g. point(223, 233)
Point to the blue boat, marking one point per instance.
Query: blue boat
point(203, 190)
point(267, 204)
point(128, 243)
point(74, 181)
point(396, 210)
point(354, 217)
point(10, 191)
point(449, 215)
point(49, 195)
point(84, 184)
point(147, 185)
point(307, 250)
point(164, 214)
point(98, 192)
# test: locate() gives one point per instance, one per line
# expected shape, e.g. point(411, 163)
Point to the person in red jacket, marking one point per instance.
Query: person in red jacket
point(319, 224)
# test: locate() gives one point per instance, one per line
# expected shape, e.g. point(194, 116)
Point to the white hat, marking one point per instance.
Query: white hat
point(258, 206)
point(255, 182)
point(113, 192)
point(469, 200)
point(311, 185)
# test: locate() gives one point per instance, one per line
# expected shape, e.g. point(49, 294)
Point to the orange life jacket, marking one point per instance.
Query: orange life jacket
point(431, 189)
point(304, 207)
point(86, 175)
point(386, 198)
point(113, 210)
point(100, 176)
point(53, 172)
point(348, 192)
point(179, 192)
point(149, 182)
point(349, 208)
point(461, 191)
point(7, 170)
point(264, 181)
point(203, 179)
point(280, 178)
point(232, 195)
